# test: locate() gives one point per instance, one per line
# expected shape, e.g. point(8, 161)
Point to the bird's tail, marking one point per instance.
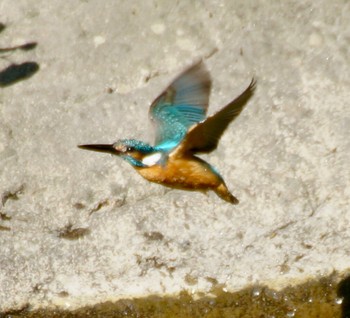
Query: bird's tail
point(226, 195)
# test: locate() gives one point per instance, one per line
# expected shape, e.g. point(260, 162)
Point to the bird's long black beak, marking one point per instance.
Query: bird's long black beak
point(100, 148)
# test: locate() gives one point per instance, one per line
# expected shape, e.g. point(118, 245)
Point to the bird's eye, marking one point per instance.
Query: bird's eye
point(128, 149)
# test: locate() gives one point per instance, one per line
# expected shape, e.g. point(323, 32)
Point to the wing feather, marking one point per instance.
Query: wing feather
point(204, 137)
point(183, 104)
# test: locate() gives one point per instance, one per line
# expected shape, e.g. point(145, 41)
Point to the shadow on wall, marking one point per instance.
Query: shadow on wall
point(344, 292)
point(17, 72)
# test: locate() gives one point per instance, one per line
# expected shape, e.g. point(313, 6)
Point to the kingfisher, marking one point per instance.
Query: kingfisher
point(182, 131)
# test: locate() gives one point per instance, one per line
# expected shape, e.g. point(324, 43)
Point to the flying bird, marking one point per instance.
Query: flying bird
point(182, 131)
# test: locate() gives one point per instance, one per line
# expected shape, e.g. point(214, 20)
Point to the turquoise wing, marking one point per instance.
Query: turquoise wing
point(183, 104)
point(204, 137)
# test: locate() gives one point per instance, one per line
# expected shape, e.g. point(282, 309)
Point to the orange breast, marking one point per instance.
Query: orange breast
point(183, 173)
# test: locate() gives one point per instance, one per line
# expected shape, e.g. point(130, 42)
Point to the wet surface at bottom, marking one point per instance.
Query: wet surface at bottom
point(328, 297)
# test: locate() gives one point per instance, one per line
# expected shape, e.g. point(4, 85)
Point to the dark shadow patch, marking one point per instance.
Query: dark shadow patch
point(344, 292)
point(17, 72)
point(2, 27)
point(24, 47)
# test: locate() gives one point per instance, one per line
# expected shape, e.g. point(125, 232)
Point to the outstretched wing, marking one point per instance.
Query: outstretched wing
point(205, 136)
point(183, 104)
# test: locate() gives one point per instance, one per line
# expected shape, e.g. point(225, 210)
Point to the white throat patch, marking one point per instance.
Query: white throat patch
point(152, 159)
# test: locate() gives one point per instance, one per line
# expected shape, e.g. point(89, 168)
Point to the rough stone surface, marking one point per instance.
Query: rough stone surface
point(78, 228)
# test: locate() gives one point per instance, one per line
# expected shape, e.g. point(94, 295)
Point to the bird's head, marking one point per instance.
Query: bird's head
point(131, 150)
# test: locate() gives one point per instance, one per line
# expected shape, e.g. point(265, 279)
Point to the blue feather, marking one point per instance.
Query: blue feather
point(183, 104)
